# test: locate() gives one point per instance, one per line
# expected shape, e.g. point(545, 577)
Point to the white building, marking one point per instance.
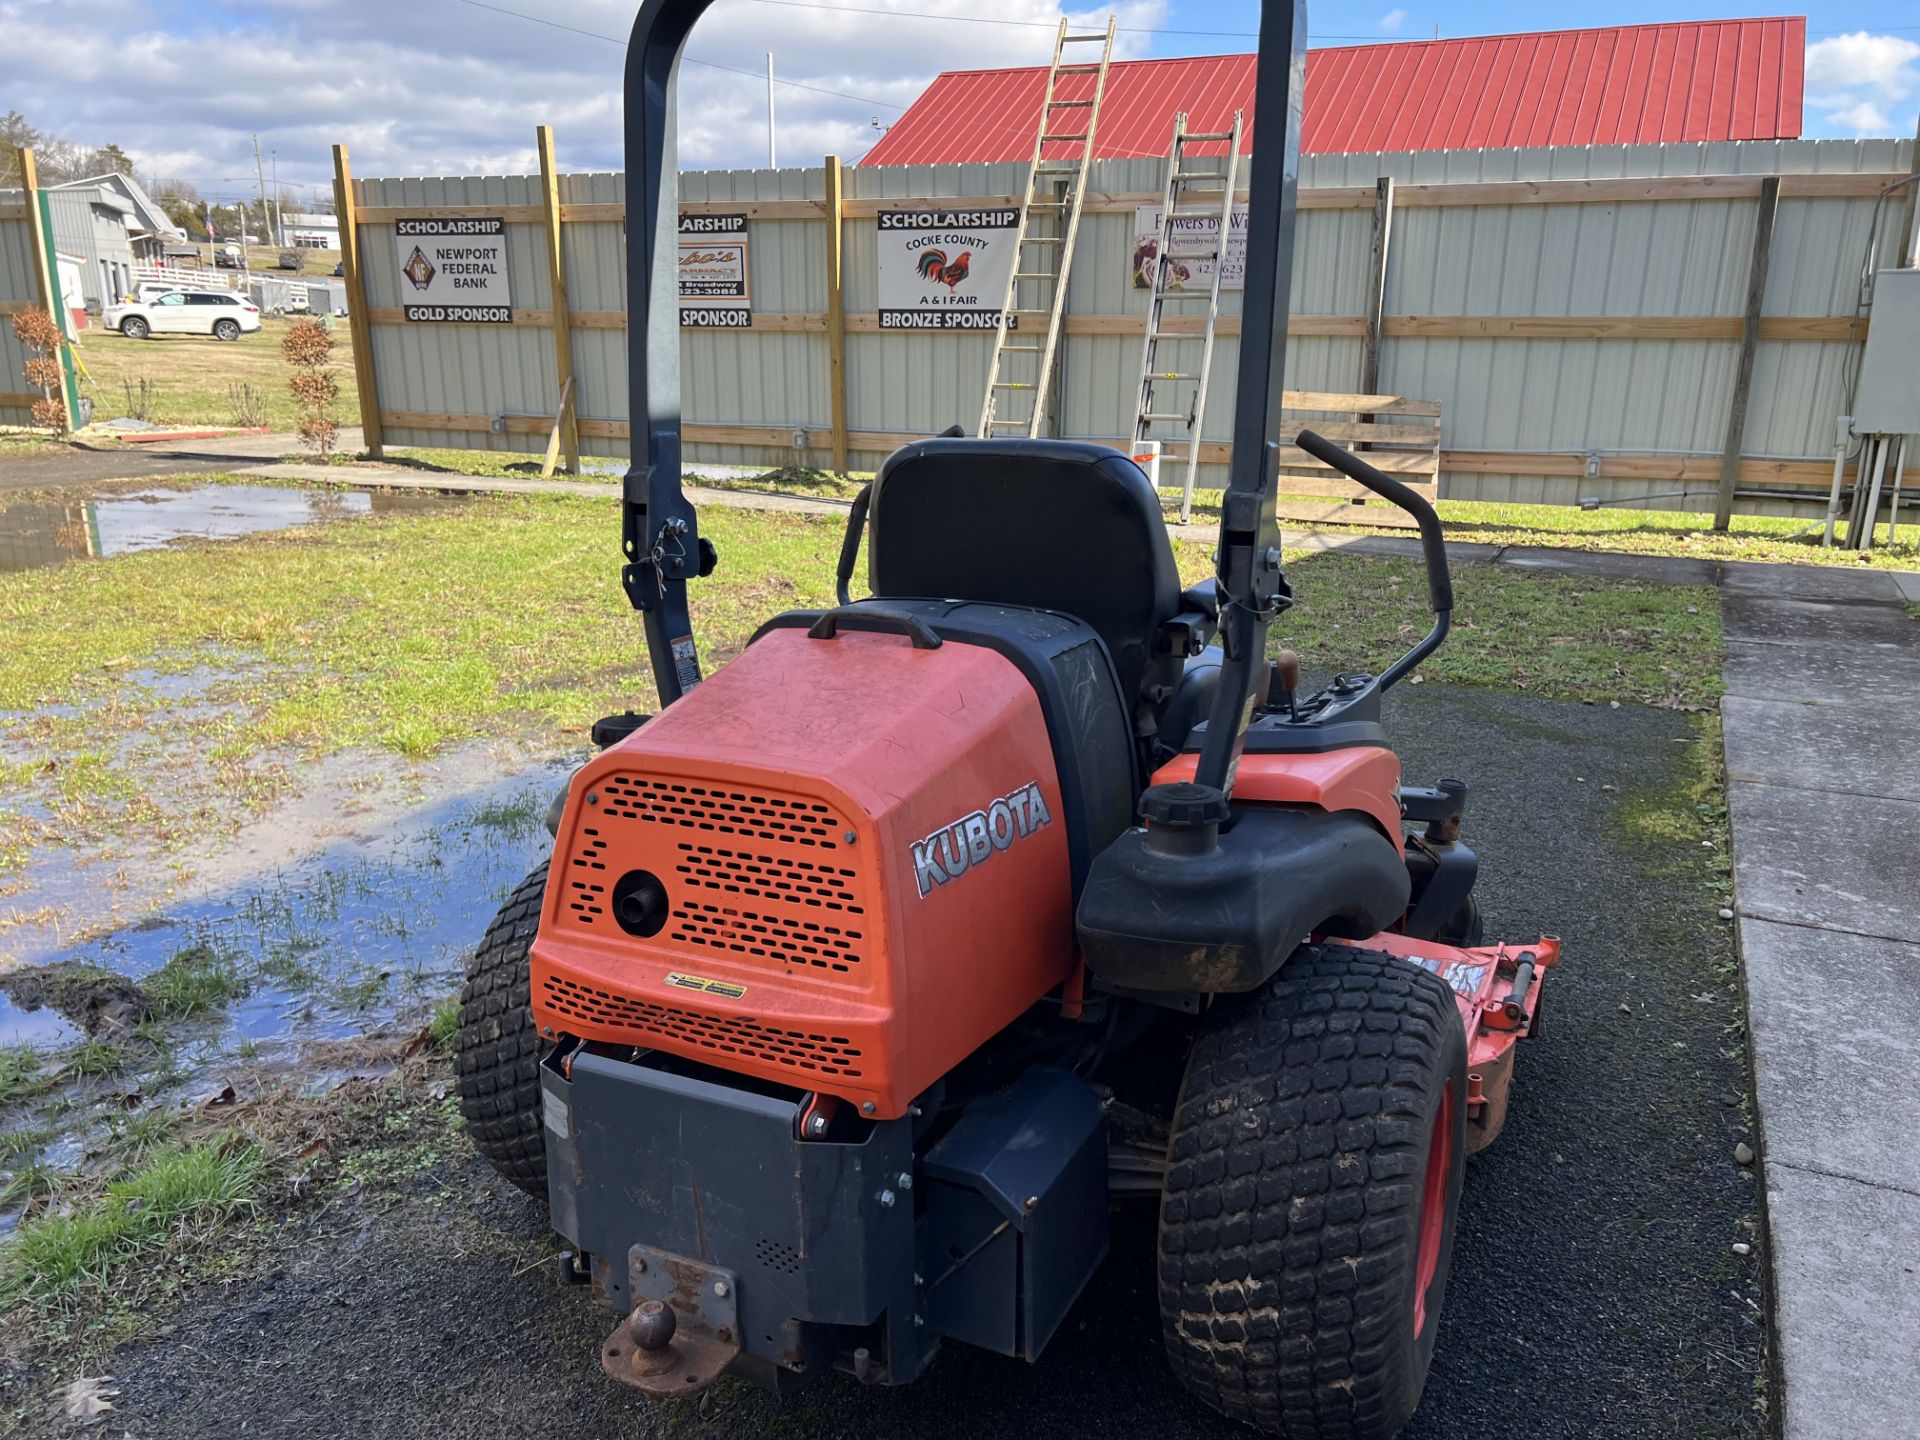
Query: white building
point(310, 232)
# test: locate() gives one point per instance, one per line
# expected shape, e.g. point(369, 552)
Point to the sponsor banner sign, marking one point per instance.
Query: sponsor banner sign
point(714, 294)
point(1196, 239)
point(946, 269)
point(454, 270)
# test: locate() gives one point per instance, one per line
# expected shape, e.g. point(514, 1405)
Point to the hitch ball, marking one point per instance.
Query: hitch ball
point(652, 1324)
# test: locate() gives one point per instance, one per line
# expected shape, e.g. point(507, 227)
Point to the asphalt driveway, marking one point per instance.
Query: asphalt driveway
point(1595, 1289)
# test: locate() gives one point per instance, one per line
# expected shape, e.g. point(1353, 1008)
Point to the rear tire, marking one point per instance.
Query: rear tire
point(1313, 1177)
point(497, 1050)
point(134, 328)
point(226, 329)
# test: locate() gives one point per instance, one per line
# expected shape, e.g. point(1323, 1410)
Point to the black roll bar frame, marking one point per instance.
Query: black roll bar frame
point(659, 530)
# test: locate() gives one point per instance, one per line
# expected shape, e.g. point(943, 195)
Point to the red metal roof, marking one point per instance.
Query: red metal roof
point(1624, 85)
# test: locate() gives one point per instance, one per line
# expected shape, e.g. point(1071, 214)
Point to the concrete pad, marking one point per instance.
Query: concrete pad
point(1907, 582)
point(1807, 857)
point(1782, 742)
point(1658, 569)
point(1808, 582)
point(1861, 624)
point(1835, 1023)
point(1822, 675)
point(1846, 1306)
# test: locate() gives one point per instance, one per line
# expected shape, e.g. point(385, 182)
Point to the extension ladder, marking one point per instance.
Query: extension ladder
point(1043, 250)
point(1189, 188)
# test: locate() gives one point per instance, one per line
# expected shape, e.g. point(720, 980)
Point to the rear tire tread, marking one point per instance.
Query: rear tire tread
point(1290, 1219)
point(497, 1050)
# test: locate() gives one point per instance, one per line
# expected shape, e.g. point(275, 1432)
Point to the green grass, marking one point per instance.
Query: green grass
point(56, 1257)
point(415, 631)
point(445, 1022)
point(23, 1074)
point(95, 1057)
point(1675, 533)
point(192, 374)
point(196, 979)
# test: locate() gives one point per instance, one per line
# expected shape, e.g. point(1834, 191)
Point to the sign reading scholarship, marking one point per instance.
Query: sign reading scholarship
point(1196, 239)
point(946, 269)
point(454, 270)
point(713, 272)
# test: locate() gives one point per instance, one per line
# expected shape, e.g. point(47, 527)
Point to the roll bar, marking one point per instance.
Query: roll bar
point(659, 532)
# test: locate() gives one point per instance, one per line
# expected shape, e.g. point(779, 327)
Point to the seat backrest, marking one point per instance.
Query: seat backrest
point(1050, 524)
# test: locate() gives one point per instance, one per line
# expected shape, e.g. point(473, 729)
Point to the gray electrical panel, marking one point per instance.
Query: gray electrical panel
point(1888, 402)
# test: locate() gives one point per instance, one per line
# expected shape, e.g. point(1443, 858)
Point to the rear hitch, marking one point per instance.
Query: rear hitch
point(684, 1329)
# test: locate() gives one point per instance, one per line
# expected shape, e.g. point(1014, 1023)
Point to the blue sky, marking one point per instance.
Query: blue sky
point(454, 87)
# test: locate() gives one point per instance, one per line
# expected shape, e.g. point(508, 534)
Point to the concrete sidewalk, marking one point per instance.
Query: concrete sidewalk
point(1822, 721)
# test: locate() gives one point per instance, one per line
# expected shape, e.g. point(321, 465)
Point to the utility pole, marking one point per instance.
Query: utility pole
point(266, 216)
point(279, 225)
point(773, 158)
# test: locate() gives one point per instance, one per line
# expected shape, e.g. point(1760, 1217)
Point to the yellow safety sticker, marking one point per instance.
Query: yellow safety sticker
point(705, 986)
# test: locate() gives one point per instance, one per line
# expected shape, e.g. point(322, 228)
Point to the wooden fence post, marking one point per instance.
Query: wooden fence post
point(566, 422)
point(836, 315)
point(46, 280)
point(1376, 286)
point(1749, 342)
point(359, 321)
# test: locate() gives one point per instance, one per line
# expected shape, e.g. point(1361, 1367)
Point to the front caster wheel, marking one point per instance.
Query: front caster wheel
point(1313, 1177)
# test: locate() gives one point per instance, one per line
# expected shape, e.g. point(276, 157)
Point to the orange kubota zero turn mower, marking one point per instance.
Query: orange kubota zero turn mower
point(869, 973)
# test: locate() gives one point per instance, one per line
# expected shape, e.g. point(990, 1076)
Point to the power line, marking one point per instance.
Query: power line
point(706, 64)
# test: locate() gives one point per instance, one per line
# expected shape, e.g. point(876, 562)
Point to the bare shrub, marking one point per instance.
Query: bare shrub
point(40, 337)
point(308, 348)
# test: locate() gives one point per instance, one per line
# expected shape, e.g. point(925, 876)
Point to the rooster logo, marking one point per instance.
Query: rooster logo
point(934, 266)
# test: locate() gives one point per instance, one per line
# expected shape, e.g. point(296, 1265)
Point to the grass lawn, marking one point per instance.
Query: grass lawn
point(265, 260)
point(503, 617)
point(192, 377)
point(1567, 527)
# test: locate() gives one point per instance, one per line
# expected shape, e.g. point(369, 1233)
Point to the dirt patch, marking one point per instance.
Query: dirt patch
point(98, 1001)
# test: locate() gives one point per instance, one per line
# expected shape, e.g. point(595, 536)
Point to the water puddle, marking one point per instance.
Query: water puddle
point(39, 533)
point(335, 920)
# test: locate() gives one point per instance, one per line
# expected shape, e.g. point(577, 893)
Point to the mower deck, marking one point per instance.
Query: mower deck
point(1497, 988)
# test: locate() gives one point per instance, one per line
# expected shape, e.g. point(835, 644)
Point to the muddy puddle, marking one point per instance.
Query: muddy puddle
point(39, 533)
point(345, 915)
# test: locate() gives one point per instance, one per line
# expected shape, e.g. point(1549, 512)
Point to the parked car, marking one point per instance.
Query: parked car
point(148, 291)
point(225, 316)
point(291, 260)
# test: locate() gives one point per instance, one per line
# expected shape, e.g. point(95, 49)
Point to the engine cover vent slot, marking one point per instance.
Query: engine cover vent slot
point(726, 812)
point(830, 1055)
point(768, 937)
point(769, 877)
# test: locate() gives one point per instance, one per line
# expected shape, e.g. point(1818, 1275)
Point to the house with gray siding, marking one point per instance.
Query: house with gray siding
point(111, 224)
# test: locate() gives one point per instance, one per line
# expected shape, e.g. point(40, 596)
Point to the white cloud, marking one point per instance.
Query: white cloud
point(1862, 118)
point(1861, 60)
point(437, 87)
point(1855, 84)
point(1393, 20)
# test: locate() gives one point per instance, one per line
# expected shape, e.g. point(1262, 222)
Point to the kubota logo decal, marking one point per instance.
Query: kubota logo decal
point(955, 848)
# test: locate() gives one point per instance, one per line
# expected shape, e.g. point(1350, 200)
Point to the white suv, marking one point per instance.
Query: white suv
point(225, 316)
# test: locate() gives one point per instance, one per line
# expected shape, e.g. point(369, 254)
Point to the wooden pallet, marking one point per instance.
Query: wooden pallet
point(1397, 435)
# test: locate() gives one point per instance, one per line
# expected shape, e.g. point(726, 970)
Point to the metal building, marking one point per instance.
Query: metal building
point(1695, 81)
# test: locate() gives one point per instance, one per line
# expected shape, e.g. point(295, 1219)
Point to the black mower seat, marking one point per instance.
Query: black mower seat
point(1049, 524)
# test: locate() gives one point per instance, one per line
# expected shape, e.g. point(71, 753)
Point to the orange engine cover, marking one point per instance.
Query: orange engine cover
point(864, 859)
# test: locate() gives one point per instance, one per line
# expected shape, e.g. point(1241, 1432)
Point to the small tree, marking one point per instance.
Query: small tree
point(39, 334)
point(308, 348)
